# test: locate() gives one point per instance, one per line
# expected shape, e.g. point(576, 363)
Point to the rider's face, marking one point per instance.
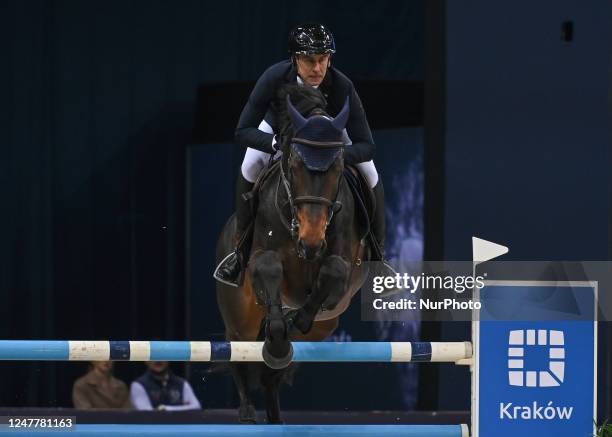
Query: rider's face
point(312, 68)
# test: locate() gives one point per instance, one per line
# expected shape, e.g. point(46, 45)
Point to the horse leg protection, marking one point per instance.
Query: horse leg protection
point(267, 273)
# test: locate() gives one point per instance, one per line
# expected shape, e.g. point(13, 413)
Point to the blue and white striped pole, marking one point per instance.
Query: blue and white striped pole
point(219, 351)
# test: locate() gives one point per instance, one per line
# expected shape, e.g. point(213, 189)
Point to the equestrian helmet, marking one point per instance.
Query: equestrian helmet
point(311, 39)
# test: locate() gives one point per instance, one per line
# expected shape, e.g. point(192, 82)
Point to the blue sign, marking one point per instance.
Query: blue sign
point(536, 378)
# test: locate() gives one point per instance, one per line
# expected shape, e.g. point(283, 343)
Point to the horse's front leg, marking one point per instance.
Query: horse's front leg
point(266, 270)
point(329, 289)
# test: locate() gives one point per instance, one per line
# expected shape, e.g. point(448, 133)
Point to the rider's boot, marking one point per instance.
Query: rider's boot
point(377, 234)
point(230, 269)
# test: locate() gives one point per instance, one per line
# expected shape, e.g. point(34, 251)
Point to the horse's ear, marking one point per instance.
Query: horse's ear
point(296, 118)
point(341, 119)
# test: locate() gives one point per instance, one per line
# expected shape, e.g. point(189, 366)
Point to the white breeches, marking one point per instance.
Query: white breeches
point(255, 160)
point(253, 163)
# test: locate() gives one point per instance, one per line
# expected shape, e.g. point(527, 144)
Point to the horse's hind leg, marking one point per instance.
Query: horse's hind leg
point(246, 411)
point(266, 270)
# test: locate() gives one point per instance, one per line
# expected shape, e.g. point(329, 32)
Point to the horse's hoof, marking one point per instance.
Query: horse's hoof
point(247, 414)
point(274, 362)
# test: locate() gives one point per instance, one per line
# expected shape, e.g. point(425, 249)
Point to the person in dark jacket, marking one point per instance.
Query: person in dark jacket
point(160, 389)
point(311, 47)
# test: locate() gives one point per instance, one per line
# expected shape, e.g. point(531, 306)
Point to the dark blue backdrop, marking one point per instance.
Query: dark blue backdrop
point(528, 161)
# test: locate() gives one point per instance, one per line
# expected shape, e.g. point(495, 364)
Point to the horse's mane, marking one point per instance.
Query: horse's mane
point(305, 99)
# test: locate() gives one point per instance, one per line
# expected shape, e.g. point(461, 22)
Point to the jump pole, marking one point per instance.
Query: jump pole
point(211, 351)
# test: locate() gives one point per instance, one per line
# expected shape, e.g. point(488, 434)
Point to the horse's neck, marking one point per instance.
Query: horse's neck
point(272, 194)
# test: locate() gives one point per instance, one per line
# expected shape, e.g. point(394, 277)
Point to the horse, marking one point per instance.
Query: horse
point(306, 257)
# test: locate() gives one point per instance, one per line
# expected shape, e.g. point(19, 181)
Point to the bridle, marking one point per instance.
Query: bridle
point(334, 206)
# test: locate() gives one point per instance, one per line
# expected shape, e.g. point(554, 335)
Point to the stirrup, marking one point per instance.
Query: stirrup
point(221, 263)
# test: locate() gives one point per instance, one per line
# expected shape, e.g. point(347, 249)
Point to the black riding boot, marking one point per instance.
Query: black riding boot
point(229, 270)
point(378, 232)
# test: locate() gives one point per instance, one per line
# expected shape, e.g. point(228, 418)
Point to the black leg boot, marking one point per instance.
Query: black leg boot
point(229, 270)
point(378, 231)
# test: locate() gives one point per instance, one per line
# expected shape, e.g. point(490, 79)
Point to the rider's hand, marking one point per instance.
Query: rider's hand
point(275, 143)
point(280, 141)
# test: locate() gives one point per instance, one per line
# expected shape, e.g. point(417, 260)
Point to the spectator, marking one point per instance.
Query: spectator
point(160, 389)
point(100, 389)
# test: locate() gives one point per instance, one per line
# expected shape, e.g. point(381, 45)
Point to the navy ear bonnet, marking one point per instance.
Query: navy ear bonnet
point(317, 159)
point(318, 139)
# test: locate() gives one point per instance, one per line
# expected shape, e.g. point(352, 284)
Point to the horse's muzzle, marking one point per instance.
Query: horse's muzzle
point(310, 251)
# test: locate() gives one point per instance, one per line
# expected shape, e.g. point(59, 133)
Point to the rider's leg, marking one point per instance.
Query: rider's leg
point(378, 223)
point(378, 231)
point(230, 268)
point(253, 163)
point(369, 172)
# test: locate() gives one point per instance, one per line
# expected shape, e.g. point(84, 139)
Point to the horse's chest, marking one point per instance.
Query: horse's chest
point(299, 281)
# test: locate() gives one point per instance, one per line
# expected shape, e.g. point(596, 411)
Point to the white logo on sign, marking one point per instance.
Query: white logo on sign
point(553, 340)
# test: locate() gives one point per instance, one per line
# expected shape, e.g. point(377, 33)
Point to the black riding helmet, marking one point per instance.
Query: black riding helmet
point(311, 39)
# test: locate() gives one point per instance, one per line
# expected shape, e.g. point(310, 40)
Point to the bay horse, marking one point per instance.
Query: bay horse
point(305, 262)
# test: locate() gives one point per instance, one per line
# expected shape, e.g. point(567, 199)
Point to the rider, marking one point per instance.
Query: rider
point(311, 47)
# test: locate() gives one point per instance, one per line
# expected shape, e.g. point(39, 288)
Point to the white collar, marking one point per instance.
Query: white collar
point(301, 82)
